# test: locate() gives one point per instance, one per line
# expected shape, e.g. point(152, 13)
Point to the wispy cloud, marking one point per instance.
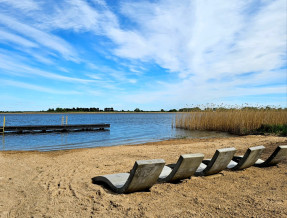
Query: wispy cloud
point(23, 5)
point(10, 37)
point(37, 88)
point(56, 44)
point(112, 74)
point(203, 40)
point(12, 66)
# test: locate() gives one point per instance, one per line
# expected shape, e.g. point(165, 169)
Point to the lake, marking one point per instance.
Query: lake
point(126, 128)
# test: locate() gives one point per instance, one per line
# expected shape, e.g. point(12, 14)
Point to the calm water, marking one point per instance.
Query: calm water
point(125, 129)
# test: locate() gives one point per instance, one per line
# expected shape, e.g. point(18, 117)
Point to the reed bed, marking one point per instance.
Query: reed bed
point(239, 122)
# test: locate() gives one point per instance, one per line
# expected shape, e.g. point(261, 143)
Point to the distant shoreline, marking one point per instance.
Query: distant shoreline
point(102, 112)
point(131, 112)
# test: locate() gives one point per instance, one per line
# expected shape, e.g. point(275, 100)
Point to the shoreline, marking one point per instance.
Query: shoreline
point(58, 183)
point(100, 112)
point(217, 134)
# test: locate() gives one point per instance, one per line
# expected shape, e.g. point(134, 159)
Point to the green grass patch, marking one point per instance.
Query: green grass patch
point(273, 129)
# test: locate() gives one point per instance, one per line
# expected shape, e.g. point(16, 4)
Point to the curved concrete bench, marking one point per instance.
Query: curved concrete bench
point(143, 176)
point(185, 167)
point(250, 157)
point(278, 155)
point(219, 162)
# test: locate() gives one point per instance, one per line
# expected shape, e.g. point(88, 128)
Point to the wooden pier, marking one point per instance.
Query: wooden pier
point(55, 128)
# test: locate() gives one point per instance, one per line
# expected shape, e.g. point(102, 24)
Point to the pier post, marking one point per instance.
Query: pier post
point(3, 128)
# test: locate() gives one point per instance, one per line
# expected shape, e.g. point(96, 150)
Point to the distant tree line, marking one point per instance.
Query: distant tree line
point(78, 109)
point(93, 109)
point(162, 110)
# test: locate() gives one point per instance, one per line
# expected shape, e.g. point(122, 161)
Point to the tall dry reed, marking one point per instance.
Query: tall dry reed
point(234, 121)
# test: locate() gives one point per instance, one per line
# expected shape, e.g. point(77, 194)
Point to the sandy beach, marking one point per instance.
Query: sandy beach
point(58, 184)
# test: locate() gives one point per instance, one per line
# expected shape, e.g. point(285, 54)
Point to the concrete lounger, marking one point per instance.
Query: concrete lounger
point(219, 162)
point(183, 169)
point(278, 155)
point(143, 176)
point(250, 157)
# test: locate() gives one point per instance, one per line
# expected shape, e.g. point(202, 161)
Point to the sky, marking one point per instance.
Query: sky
point(148, 54)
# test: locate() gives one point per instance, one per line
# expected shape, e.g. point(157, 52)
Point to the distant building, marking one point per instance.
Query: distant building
point(109, 109)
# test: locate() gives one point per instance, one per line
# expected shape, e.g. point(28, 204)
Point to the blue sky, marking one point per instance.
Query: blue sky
point(142, 54)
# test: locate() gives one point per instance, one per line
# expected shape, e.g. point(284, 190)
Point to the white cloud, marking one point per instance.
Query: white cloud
point(23, 5)
point(47, 40)
point(94, 76)
point(35, 87)
point(132, 81)
point(201, 37)
point(201, 40)
point(77, 15)
point(109, 74)
point(16, 67)
point(10, 37)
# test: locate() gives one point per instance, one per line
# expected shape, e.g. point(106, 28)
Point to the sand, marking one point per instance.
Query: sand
point(58, 184)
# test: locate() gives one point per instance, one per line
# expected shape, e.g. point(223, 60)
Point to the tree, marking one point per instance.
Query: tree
point(172, 110)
